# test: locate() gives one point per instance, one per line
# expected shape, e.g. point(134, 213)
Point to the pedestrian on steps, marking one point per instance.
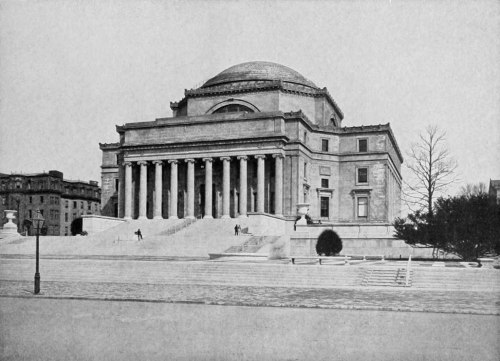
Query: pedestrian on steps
point(236, 230)
point(139, 234)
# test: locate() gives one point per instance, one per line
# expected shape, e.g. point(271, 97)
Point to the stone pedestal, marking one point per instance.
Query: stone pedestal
point(10, 227)
point(302, 209)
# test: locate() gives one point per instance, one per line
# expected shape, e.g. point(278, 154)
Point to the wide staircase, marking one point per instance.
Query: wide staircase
point(253, 245)
point(206, 236)
point(150, 227)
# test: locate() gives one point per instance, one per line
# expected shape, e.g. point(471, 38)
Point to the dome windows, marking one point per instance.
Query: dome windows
point(233, 108)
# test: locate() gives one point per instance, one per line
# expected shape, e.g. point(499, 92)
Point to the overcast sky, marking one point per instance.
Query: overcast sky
point(72, 70)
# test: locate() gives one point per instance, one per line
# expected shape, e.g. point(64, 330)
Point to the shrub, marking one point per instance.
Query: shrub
point(329, 243)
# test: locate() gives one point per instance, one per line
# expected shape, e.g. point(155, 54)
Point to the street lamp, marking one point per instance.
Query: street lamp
point(37, 221)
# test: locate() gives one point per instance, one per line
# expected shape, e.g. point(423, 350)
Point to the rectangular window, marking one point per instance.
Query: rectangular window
point(362, 175)
point(66, 230)
point(362, 207)
point(117, 184)
point(66, 204)
point(325, 183)
point(66, 217)
point(305, 169)
point(362, 145)
point(31, 199)
point(74, 204)
point(81, 205)
point(30, 213)
point(325, 207)
point(41, 199)
point(324, 145)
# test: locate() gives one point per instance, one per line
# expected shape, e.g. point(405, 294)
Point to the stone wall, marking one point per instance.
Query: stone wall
point(93, 224)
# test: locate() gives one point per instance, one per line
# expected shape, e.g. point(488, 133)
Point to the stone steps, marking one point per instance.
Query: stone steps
point(393, 277)
point(243, 274)
point(149, 227)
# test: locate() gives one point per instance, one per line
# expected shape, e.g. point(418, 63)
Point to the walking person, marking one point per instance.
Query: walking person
point(139, 234)
point(236, 230)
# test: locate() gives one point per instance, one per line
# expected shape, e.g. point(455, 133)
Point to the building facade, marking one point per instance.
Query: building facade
point(494, 190)
point(258, 137)
point(60, 201)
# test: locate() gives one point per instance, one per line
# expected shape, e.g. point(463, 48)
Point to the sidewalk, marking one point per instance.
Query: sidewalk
point(57, 330)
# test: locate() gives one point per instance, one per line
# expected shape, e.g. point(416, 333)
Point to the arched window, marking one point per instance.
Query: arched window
point(233, 108)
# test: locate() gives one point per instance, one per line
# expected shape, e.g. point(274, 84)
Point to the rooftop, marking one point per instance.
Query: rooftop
point(259, 71)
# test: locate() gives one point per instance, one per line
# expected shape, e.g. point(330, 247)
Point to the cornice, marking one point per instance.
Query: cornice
point(109, 146)
point(220, 142)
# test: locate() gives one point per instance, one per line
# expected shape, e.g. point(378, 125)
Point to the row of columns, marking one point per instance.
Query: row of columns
point(157, 213)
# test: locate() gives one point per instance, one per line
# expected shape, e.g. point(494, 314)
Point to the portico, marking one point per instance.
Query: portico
point(203, 187)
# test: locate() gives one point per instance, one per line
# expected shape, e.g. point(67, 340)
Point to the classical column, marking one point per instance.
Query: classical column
point(143, 191)
point(208, 187)
point(158, 188)
point(225, 186)
point(278, 184)
point(243, 185)
point(190, 188)
point(260, 183)
point(173, 189)
point(128, 190)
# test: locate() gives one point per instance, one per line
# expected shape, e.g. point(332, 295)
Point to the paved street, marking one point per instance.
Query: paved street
point(50, 329)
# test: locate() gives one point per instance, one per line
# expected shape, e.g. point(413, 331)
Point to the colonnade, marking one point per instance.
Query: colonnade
point(190, 185)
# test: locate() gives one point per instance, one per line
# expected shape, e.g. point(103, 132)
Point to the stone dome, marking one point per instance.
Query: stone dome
point(258, 71)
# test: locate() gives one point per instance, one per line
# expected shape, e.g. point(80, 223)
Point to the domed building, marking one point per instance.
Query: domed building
point(257, 138)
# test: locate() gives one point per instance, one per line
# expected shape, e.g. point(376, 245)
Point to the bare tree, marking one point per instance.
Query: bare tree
point(473, 189)
point(432, 169)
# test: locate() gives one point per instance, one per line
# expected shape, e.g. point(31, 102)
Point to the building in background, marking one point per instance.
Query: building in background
point(494, 190)
point(258, 137)
point(60, 201)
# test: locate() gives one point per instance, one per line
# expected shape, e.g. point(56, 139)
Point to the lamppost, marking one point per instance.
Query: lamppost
point(37, 221)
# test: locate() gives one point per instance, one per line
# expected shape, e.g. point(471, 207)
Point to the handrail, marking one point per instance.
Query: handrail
point(408, 266)
point(178, 227)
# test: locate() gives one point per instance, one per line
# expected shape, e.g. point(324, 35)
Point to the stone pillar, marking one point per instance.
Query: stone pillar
point(278, 185)
point(128, 190)
point(158, 188)
point(243, 185)
point(260, 183)
point(190, 188)
point(225, 186)
point(208, 187)
point(143, 191)
point(173, 189)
